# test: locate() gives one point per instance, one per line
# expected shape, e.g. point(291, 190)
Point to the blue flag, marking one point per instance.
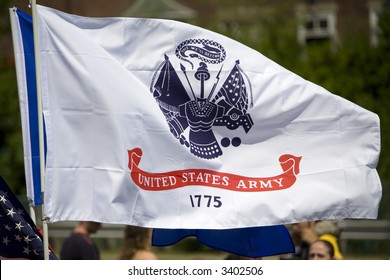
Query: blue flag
point(19, 236)
point(251, 242)
point(24, 54)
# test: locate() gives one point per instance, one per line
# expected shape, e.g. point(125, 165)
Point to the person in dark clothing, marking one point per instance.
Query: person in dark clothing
point(79, 245)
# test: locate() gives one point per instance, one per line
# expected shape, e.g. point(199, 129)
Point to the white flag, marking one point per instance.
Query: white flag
point(163, 124)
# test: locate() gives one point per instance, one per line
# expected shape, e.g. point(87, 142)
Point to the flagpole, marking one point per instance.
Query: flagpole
point(33, 4)
point(32, 212)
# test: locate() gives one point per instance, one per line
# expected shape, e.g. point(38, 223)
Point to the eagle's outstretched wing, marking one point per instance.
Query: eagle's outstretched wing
point(233, 96)
point(170, 93)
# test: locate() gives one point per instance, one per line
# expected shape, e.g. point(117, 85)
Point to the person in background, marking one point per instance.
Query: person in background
point(306, 233)
point(329, 231)
point(79, 245)
point(137, 244)
point(321, 250)
point(301, 233)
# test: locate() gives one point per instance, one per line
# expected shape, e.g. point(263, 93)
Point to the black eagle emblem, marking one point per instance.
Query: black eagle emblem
point(202, 111)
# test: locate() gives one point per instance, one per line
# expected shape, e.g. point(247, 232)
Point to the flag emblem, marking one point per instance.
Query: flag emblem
point(194, 103)
point(193, 110)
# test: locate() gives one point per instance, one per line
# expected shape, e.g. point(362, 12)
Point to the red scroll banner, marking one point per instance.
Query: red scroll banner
point(210, 178)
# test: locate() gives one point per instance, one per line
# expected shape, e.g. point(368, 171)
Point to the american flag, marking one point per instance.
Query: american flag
point(19, 236)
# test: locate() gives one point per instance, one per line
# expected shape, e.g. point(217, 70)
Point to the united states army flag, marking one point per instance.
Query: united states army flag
point(163, 124)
